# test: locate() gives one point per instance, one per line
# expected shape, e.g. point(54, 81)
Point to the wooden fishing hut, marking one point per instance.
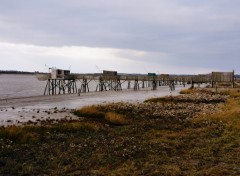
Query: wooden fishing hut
point(163, 79)
point(60, 81)
point(200, 79)
point(109, 80)
point(138, 80)
point(222, 77)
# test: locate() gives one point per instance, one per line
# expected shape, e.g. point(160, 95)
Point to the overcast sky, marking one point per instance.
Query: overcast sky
point(131, 36)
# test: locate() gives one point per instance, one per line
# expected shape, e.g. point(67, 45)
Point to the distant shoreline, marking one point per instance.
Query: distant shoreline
point(237, 76)
point(17, 72)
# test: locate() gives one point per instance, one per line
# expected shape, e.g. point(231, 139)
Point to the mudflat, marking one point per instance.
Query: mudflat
point(21, 110)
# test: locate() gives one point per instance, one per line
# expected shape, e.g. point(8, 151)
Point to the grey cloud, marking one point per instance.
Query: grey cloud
point(190, 32)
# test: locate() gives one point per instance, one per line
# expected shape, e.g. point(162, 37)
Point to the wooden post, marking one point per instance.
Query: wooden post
point(143, 84)
point(101, 86)
point(52, 87)
point(79, 92)
point(129, 84)
point(119, 85)
point(136, 85)
point(84, 86)
point(63, 86)
point(233, 80)
point(49, 87)
point(46, 87)
point(154, 84)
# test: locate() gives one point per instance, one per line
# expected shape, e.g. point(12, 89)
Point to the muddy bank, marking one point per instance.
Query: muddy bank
point(21, 110)
point(169, 108)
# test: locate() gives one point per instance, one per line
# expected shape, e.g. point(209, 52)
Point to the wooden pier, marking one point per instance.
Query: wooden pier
point(60, 86)
point(110, 80)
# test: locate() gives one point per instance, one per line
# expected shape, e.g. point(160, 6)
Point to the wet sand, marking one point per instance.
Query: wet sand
point(25, 109)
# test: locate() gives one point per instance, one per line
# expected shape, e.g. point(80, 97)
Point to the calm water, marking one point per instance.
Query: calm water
point(14, 85)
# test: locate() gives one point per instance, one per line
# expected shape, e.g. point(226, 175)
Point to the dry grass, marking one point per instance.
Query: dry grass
point(186, 91)
point(198, 90)
point(116, 119)
point(31, 134)
point(95, 113)
point(19, 134)
point(235, 93)
point(90, 111)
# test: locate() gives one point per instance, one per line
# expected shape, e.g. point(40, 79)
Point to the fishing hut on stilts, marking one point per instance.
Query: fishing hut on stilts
point(60, 82)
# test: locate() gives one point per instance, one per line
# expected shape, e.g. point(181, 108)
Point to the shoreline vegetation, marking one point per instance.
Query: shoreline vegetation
point(195, 133)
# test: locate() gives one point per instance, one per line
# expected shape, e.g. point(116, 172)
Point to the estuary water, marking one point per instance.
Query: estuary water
point(20, 85)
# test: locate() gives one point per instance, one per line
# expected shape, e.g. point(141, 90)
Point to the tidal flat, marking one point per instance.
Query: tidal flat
point(19, 110)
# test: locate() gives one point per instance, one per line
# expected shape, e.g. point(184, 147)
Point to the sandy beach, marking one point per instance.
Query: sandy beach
point(24, 109)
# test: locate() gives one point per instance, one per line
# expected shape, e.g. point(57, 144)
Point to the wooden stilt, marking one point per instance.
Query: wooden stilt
point(129, 84)
point(136, 85)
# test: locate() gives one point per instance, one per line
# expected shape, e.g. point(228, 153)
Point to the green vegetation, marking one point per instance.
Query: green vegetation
point(113, 141)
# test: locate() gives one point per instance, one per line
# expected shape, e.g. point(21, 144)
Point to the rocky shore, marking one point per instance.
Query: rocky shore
point(180, 108)
point(21, 110)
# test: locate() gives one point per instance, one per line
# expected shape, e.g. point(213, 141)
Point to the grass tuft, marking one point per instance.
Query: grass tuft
point(186, 91)
point(31, 134)
point(19, 134)
point(95, 113)
point(115, 119)
point(90, 111)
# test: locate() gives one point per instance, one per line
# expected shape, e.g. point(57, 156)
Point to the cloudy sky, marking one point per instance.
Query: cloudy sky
point(131, 36)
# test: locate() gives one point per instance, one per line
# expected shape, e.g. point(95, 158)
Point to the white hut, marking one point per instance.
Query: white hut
point(59, 73)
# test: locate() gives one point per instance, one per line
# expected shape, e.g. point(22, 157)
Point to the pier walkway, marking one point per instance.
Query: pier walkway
point(109, 80)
